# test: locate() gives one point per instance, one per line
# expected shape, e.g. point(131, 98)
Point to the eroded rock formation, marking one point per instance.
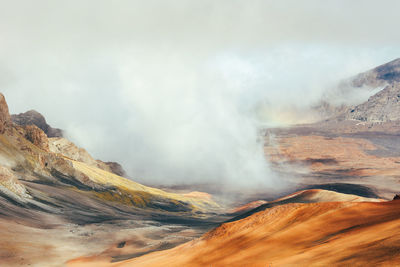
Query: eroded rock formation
point(5, 118)
point(36, 136)
point(32, 117)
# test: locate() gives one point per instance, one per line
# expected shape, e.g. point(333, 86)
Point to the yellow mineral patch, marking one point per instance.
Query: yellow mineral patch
point(140, 193)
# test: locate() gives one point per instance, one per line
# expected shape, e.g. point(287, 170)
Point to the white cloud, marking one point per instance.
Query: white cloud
point(171, 88)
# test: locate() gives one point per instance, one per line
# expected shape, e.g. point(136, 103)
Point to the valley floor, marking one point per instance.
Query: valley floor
point(313, 228)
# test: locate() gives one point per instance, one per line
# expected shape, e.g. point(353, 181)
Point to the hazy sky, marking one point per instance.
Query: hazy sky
point(170, 88)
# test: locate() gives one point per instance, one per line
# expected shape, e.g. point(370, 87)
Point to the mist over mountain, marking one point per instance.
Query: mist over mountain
point(371, 96)
point(130, 82)
point(199, 133)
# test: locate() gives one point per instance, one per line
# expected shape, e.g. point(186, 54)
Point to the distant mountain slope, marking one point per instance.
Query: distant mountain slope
point(382, 106)
point(384, 74)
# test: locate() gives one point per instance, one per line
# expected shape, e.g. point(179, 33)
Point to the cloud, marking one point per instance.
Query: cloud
point(173, 89)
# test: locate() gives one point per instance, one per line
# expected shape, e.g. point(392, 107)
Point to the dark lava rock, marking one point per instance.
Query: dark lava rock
point(121, 245)
point(396, 197)
point(32, 117)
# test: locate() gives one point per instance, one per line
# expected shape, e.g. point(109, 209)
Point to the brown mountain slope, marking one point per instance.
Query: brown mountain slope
point(317, 234)
point(58, 144)
point(54, 205)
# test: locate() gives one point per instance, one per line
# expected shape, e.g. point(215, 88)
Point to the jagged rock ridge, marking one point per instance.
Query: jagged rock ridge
point(36, 130)
point(32, 117)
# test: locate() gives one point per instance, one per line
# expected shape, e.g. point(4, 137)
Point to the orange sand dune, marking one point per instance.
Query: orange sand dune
point(319, 195)
point(306, 196)
point(316, 234)
point(248, 206)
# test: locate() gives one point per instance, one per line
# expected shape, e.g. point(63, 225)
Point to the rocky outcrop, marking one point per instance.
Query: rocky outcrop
point(67, 148)
point(10, 181)
point(116, 168)
point(384, 106)
point(396, 197)
point(10, 186)
point(5, 118)
point(384, 74)
point(33, 117)
point(382, 83)
point(70, 150)
point(37, 137)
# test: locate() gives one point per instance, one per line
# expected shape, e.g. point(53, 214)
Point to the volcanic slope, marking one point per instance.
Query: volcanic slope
point(303, 196)
point(65, 202)
point(295, 234)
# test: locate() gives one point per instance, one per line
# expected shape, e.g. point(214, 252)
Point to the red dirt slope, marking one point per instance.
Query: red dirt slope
point(316, 234)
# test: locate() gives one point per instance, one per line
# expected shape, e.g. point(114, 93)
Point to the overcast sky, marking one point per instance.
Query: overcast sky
point(170, 88)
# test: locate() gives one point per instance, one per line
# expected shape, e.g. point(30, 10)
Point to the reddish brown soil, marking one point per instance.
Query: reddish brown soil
point(324, 154)
point(318, 234)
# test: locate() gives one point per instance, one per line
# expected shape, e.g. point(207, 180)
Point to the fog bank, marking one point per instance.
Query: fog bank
point(177, 91)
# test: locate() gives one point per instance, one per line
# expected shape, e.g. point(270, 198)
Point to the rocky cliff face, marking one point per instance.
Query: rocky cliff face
point(36, 136)
point(381, 75)
point(381, 107)
point(10, 186)
point(33, 117)
point(65, 147)
point(5, 118)
point(35, 128)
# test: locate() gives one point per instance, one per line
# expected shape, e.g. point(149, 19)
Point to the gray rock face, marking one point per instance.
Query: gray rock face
point(381, 107)
point(381, 75)
point(350, 92)
point(33, 117)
